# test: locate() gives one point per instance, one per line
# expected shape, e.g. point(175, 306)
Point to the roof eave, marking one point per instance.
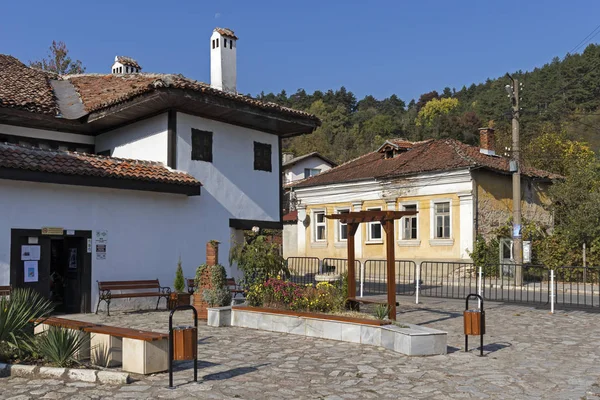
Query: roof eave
point(98, 181)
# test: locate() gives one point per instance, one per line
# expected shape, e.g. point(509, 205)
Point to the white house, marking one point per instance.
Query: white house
point(117, 176)
point(305, 166)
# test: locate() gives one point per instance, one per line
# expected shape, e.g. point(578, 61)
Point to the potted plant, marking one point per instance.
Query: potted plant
point(180, 297)
point(211, 289)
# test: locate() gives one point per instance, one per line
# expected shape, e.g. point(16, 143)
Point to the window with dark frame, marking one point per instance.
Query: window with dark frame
point(202, 142)
point(262, 157)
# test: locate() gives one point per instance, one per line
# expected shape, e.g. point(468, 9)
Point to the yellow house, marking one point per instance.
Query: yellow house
point(459, 191)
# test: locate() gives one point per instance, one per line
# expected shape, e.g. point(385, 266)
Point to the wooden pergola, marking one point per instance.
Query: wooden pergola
point(386, 218)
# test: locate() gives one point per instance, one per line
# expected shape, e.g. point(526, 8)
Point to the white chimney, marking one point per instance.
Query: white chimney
point(125, 65)
point(223, 71)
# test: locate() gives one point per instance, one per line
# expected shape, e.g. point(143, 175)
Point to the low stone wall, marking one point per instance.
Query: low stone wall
point(411, 340)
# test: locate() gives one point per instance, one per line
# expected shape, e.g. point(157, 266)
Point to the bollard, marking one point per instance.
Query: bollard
point(552, 294)
point(474, 321)
point(183, 343)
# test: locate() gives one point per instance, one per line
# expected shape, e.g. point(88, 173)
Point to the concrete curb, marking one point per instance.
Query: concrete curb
point(73, 374)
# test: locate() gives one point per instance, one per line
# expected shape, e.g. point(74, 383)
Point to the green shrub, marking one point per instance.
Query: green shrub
point(59, 346)
point(218, 295)
point(179, 283)
point(16, 312)
point(258, 258)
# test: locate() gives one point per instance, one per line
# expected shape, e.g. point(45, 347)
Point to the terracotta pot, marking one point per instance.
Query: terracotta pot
point(178, 299)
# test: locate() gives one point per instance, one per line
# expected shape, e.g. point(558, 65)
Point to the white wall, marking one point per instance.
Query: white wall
point(231, 188)
point(44, 134)
point(296, 171)
point(142, 140)
point(147, 232)
point(290, 240)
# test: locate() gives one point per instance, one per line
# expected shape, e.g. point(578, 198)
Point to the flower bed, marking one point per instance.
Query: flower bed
point(280, 294)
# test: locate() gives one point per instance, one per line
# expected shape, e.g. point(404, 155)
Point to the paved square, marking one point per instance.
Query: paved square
point(530, 354)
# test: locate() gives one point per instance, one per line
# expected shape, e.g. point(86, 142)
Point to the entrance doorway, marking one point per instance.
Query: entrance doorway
point(57, 266)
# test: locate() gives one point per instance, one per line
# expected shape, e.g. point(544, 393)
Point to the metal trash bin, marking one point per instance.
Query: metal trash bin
point(474, 322)
point(183, 343)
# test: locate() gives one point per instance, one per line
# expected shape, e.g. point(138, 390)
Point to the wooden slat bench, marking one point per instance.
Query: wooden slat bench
point(231, 285)
point(354, 302)
point(140, 352)
point(5, 290)
point(43, 324)
point(151, 288)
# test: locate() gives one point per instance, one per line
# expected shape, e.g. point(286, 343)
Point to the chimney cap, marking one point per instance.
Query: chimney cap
point(226, 32)
point(487, 128)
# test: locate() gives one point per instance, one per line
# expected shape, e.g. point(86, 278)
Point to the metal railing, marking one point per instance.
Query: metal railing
point(303, 269)
point(453, 280)
point(374, 276)
point(577, 286)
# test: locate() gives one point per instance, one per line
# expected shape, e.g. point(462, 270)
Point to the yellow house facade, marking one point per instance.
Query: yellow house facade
point(459, 191)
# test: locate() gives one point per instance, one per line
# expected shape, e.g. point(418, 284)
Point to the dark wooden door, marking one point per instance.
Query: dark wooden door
point(20, 238)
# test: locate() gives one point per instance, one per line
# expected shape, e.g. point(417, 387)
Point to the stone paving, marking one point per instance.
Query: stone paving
point(529, 354)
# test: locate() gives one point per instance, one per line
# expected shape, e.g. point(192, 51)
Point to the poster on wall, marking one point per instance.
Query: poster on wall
point(30, 253)
point(73, 258)
point(31, 271)
point(100, 252)
point(101, 237)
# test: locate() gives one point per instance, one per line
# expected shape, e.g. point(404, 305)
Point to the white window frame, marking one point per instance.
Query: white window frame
point(371, 240)
point(316, 224)
point(310, 170)
point(433, 241)
point(338, 229)
point(409, 242)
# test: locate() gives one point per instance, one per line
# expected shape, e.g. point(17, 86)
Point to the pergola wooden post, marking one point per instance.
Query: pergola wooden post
point(386, 218)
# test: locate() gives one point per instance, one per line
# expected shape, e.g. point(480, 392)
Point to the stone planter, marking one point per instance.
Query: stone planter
point(219, 316)
point(411, 340)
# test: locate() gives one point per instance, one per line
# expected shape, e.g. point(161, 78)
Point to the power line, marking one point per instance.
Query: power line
point(585, 39)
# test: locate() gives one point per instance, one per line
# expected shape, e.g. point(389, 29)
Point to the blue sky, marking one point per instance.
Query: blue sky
point(374, 47)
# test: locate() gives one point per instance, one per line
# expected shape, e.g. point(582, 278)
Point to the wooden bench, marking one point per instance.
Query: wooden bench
point(354, 302)
point(140, 352)
point(151, 288)
point(5, 290)
point(231, 285)
point(43, 324)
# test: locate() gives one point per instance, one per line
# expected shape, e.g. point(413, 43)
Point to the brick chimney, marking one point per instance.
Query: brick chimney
point(487, 141)
point(212, 252)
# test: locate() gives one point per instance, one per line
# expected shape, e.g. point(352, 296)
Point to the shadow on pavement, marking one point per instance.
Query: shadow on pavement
point(231, 373)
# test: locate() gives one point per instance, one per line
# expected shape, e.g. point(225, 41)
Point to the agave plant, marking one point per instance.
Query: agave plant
point(16, 312)
point(60, 346)
point(382, 311)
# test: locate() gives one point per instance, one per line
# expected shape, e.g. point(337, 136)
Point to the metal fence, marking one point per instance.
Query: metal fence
point(530, 284)
point(374, 277)
point(577, 286)
point(303, 269)
point(499, 282)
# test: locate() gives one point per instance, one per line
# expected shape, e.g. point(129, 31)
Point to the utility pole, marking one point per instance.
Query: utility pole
point(515, 168)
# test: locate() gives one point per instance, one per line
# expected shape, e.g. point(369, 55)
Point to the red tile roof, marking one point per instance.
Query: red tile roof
point(80, 164)
point(226, 32)
point(128, 61)
point(292, 216)
point(25, 88)
point(428, 156)
point(29, 89)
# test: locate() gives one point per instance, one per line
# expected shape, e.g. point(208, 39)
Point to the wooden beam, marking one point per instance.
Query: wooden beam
point(391, 270)
point(351, 260)
point(370, 216)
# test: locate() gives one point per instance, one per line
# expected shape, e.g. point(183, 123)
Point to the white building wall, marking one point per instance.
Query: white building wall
point(142, 140)
point(290, 242)
point(147, 231)
point(296, 171)
point(231, 188)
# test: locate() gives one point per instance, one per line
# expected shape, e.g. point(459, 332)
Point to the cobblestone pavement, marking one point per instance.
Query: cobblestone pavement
point(530, 354)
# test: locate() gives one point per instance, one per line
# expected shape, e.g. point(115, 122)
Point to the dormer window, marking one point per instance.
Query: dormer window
point(389, 154)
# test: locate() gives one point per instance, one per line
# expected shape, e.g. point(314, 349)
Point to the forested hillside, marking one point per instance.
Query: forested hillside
point(562, 97)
